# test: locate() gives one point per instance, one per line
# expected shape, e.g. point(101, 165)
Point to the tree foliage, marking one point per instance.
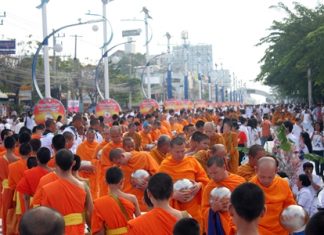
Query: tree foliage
point(295, 45)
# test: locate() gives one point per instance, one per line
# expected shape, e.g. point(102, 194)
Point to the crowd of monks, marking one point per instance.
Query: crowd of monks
point(71, 176)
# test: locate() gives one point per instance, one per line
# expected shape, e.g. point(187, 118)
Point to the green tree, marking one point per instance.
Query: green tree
point(294, 45)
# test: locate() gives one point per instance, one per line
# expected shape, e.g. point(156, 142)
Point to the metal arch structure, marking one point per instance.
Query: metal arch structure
point(267, 95)
point(99, 62)
point(45, 42)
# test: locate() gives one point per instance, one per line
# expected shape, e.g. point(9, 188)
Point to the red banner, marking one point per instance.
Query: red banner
point(48, 108)
point(148, 106)
point(172, 104)
point(107, 108)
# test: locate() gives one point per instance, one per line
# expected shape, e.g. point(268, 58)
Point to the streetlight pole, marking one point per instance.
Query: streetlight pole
point(184, 36)
point(47, 79)
point(147, 55)
point(199, 78)
point(169, 73)
point(106, 67)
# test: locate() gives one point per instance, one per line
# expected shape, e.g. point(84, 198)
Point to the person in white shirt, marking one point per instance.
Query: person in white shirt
point(304, 195)
point(316, 181)
point(94, 124)
point(317, 139)
point(29, 120)
point(73, 128)
point(298, 128)
point(46, 138)
point(244, 128)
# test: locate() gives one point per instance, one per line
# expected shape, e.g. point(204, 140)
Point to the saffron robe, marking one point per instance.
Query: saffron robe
point(278, 196)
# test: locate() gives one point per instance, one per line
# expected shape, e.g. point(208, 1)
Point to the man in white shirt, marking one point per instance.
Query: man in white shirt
point(46, 138)
point(76, 124)
point(297, 129)
point(316, 181)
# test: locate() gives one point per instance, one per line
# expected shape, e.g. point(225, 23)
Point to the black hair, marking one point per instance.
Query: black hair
point(43, 155)
point(160, 186)
point(114, 175)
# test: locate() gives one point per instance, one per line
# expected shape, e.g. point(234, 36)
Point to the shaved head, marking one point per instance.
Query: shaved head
point(266, 170)
point(218, 150)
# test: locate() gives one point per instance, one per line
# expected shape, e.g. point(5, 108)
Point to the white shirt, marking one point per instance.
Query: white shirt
point(244, 129)
point(306, 200)
point(30, 123)
point(77, 138)
point(98, 137)
point(46, 141)
point(296, 131)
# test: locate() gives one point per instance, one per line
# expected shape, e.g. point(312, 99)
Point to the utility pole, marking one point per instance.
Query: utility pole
point(77, 74)
point(147, 54)
point(3, 15)
point(184, 36)
point(54, 63)
point(309, 86)
point(169, 73)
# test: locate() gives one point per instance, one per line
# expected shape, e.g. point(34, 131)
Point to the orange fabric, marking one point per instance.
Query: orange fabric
point(6, 194)
point(2, 149)
point(278, 196)
point(28, 184)
point(36, 136)
point(202, 156)
point(50, 177)
point(16, 172)
point(146, 138)
point(157, 222)
point(51, 163)
point(30, 180)
point(177, 127)
point(191, 169)
point(155, 134)
point(231, 182)
point(157, 155)
point(165, 131)
point(184, 122)
point(105, 163)
point(107, 213)
point(246, 171)
point(138, 160)
point(71, 200)
point(216, 139)
point(137, 139)
point(85, 151)
point(231, 147)
point(167, 125)
point(16, 151)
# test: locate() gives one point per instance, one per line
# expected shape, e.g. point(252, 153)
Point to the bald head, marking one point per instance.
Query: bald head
point(116, 134)
point(266, 170)
point(41, 221)
point(218, 150)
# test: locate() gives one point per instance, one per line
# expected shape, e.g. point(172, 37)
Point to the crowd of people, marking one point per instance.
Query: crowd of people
point(156, 173)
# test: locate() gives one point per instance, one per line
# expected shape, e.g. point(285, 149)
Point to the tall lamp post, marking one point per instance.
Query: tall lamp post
point(147, 55)
point(106, 68)
point(169, 73)
point(184, 36)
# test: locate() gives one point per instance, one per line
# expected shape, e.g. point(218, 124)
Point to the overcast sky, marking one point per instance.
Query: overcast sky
point(233, 27)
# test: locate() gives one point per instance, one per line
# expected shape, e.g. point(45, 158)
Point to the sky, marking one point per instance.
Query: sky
point(233, 27)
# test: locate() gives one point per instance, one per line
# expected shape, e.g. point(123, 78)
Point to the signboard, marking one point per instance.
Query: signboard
point(172, 104)
point(74, 106)
point(48, 108)
point(132, 32)
point(187, 104)
point(25, 93)
point(7, 47)
point(107, 108)
point(148, 106)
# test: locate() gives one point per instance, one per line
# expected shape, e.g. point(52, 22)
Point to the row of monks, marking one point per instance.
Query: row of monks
point(85, 198)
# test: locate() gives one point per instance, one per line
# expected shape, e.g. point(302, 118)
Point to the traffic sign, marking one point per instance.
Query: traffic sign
point(7, 47)
point(132, 32)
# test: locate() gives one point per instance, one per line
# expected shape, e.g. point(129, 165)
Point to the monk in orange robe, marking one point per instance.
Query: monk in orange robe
point(162, 149)
point(104, 162)
point(231, 144)
point(111, 212)
point(162, 218)
point(132, 132)
point(277, 193)
point(179, 167)
point(28, 184)
point(201, 150)
point(68, 195)
point(6, 194)
point(176, 128)
point(214, 137)
point(220, 177)
point(156, 132)
point(130, 162)
point(146, 137)
point(88, 162)
point(16, 172)
point(247, 170)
